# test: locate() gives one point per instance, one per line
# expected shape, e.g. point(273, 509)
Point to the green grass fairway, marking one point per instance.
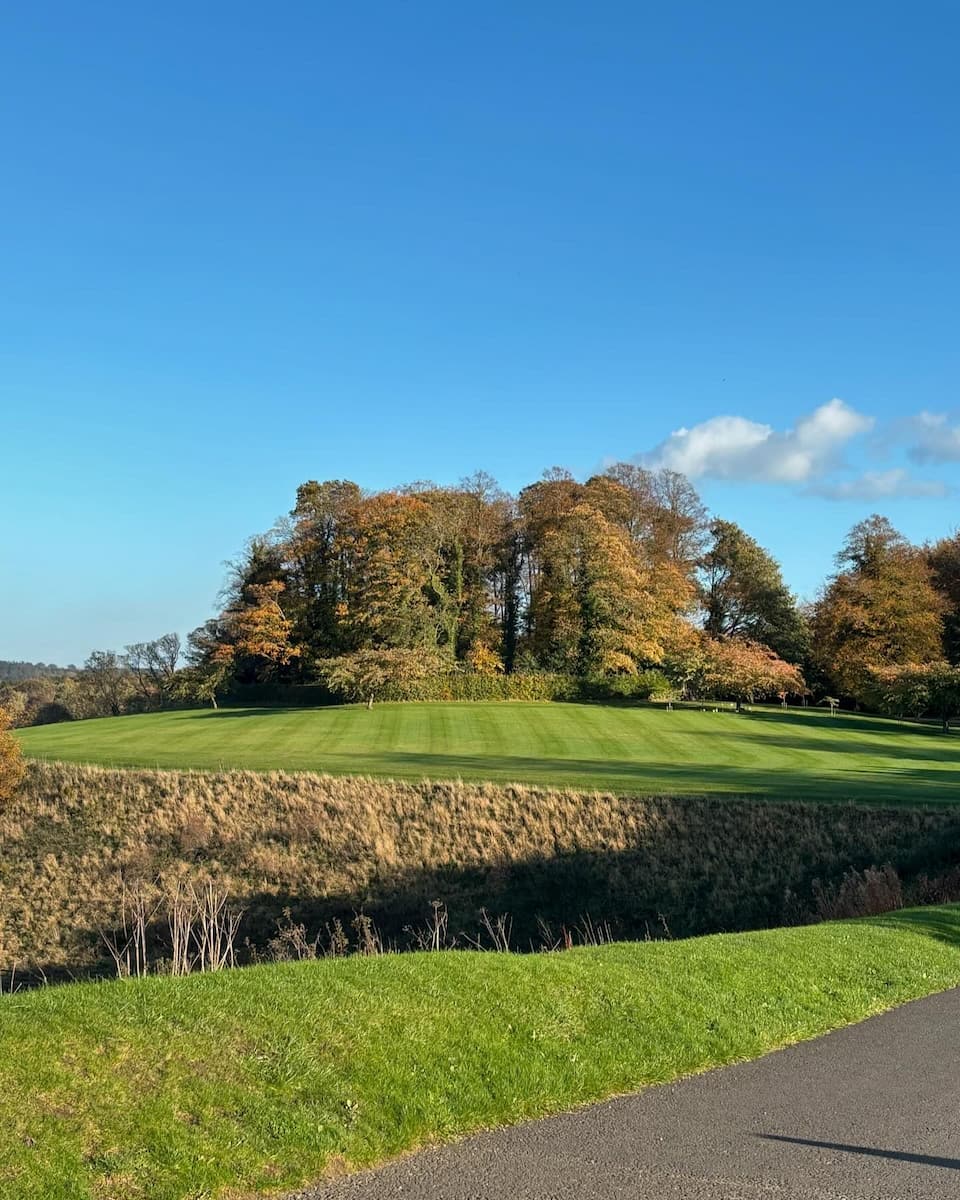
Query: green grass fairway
point(259, 1079)
point(644, 750)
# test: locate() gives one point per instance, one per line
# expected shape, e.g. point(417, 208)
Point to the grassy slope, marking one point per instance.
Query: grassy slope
point(265, 1077)
point(584, 746)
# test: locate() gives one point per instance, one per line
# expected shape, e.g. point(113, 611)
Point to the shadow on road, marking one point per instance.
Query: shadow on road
point(926, 1160)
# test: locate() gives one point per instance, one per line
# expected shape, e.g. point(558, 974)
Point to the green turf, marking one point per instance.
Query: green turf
point(264, 1077)
point(770, 751)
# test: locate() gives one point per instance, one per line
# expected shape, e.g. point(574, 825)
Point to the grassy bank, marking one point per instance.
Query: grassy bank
point(262, 1078)
point(326, 847)
point(771, 752)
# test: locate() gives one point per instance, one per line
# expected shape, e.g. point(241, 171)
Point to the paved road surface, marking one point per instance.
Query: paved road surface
point(871, 1112)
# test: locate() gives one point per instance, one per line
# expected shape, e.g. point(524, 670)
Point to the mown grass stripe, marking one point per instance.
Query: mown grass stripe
point(637, 750)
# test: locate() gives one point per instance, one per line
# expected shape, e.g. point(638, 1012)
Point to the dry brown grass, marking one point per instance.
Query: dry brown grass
point(326, 847)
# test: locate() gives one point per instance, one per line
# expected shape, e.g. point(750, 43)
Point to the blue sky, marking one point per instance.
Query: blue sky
point(247, 245)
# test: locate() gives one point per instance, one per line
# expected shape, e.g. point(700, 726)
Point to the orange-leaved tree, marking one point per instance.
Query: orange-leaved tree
point(746, 671)
point(260, 630)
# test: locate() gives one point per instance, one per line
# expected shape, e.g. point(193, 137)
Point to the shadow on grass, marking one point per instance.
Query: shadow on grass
point(889, 778)
point(942, 924)
point(700, 876)
point(863, 725)
point(900, 785)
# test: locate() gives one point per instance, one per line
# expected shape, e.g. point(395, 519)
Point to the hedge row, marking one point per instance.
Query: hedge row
point(457, 685)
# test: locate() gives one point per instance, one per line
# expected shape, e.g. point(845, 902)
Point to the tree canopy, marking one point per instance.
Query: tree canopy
point(881, 609)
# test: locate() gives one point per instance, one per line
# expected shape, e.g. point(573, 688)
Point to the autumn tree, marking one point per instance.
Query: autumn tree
point(11, 759)
point(401, 593)
point(664, 514)
point(880, 609)
point(320, 561)
point(211, 659)
point(944, 560)
point(746, 672)
point(260, 631)
point(598, 605)
point(745, 597)
point(365, 675)
point(917, 689)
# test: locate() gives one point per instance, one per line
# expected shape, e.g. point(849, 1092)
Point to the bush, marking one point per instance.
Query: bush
point(859, 894)
point(647, 685)
point(11, 760)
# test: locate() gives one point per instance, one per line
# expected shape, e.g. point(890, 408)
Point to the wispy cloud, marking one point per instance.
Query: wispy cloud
point(896, 483)
point(736, 448)
point(933, 439)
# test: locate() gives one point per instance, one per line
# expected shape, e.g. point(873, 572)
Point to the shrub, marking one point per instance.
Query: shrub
point(11, 759)
point(647, 685)
point(859, 894)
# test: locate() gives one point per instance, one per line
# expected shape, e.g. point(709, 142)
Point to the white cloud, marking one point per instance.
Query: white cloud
point(935, 440)
point(880, 485)
point(739, 449)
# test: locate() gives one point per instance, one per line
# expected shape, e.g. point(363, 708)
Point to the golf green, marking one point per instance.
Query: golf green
point(644, 750)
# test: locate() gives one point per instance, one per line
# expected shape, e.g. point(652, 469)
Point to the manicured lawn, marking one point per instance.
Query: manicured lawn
point(643, 750)
point(265, 1077)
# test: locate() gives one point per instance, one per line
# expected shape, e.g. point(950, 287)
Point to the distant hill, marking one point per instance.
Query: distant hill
point(16, 672)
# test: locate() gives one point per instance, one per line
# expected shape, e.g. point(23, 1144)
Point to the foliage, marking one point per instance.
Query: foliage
point(600, 580)
point(600, 603)
point(586, 579)
point(368, 674)
point(24, 672)
point(745, 596)
point(471, 686)
point(919, 689)
point(259, 630)
point(880, 610)
point(484, 661)
point(135, 1088)
point(109, 681)
point(153, 665)
point(11, 760)
point(745, 672)
point(944, 560)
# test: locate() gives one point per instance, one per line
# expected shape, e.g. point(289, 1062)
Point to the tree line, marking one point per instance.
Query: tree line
point(625, 577)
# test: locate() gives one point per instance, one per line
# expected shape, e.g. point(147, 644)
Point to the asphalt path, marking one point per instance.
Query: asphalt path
point(871, 1112)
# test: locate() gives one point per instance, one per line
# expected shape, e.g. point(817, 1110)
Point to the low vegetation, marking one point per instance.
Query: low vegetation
point(75, 837)
point(262, 1078)
point(11, 760)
